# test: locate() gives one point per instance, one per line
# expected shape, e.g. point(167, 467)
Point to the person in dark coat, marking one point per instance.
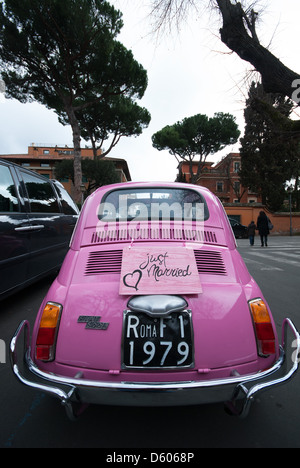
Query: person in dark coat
point(263, 228)
point(251, 232)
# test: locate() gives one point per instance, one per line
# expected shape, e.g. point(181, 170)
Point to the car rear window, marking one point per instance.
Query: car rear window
point(153, 204)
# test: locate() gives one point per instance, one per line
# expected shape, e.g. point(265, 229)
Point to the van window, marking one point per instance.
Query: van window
point(8, 196)
point(41, 195)
point(68, 205)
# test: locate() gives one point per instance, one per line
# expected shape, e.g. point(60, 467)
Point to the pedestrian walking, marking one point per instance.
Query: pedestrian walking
point(251, 232)
point(263, 228)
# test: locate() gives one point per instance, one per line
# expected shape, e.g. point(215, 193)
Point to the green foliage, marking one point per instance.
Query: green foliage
point(194, 138)
point(97, 172)
point(64, 54)
point(117, 117)
point(269, 153)
point(53, 50)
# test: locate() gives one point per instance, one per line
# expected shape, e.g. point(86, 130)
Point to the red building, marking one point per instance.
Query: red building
point(222, 179)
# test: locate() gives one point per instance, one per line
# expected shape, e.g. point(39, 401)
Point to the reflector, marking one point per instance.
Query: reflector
point(260, 312)
point(50, 315)
point(45, 336)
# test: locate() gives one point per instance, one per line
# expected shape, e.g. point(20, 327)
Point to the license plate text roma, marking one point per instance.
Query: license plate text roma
point(158, 342)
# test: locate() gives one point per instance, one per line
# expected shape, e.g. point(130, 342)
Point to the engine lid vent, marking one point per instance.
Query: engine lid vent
point(162, 233)
point(210, 262)
point(104, 263)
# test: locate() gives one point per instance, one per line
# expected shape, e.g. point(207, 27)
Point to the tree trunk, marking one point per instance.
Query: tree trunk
point(238, 33)
point(77, 155)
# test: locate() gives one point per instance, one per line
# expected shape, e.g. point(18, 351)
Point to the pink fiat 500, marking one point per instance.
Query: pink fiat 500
point(154, 306)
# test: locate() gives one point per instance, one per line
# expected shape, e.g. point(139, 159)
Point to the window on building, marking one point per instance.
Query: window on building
point(252, 191)
point(237, 187)
point(220, 187)
point(236, 166)
point(46, 152)
point(65, 152)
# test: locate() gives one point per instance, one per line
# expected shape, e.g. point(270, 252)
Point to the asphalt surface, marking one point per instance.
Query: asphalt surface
point(31, 419)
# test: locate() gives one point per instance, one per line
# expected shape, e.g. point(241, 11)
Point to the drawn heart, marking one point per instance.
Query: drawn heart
point(131, 280)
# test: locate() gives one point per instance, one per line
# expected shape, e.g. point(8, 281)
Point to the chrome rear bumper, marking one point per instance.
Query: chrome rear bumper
point(237, 391)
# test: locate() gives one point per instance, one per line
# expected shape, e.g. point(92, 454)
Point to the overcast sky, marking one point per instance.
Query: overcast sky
point(189, 71)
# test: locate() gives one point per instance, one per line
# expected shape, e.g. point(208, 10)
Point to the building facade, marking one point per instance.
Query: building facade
point(42, 159)
point(240, 203)
point(222, 179)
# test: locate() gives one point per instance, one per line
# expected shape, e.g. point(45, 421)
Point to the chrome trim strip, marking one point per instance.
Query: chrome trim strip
point(36, 227)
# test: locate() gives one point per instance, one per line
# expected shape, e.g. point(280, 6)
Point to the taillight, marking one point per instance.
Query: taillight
point(265, 336)
point(46, 338)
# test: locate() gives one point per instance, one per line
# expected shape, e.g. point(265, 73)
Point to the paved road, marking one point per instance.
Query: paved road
point(31, 419)
point(276, 268)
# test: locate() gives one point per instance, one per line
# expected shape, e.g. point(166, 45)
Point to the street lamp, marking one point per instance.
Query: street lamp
point(290, 191)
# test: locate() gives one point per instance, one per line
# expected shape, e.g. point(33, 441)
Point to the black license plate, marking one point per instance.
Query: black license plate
point(157, 342)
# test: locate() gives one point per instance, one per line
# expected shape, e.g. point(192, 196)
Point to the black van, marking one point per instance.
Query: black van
point(240, 231)
point(37, 218)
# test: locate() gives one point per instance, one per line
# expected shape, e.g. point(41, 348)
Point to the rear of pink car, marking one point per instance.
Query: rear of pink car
point(154, 306)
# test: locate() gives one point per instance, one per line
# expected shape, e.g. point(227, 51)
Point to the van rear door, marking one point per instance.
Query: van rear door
point(49, 235)
point(15, 232)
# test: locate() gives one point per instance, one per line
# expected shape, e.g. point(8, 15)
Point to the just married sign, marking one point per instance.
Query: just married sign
point(159, 270)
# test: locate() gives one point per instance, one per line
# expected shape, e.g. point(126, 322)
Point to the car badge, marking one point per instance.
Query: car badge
point(92, 322)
